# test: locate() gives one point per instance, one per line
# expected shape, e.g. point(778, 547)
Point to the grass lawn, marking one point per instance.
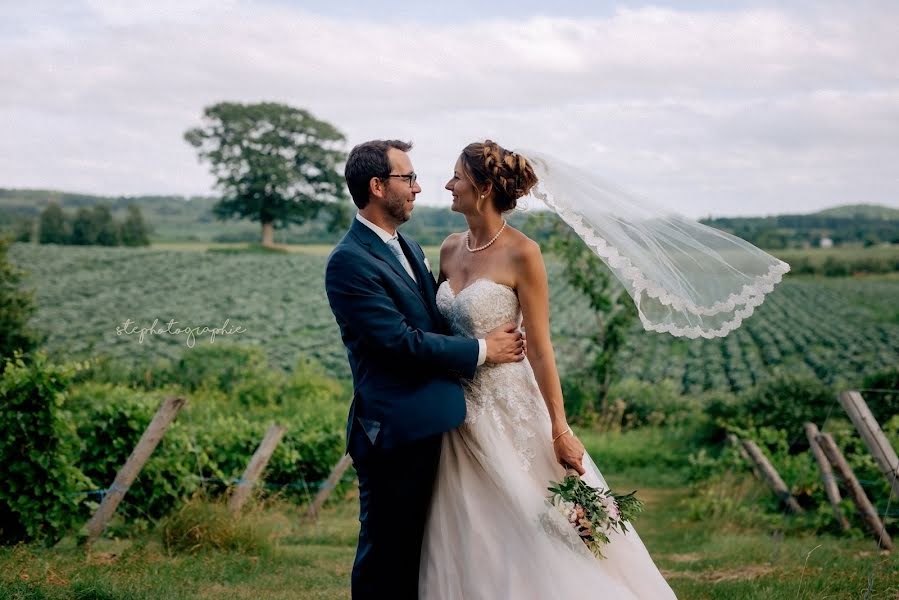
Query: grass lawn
point(702, 556)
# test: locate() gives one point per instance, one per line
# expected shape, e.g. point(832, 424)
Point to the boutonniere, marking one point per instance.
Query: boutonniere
point(428, 265)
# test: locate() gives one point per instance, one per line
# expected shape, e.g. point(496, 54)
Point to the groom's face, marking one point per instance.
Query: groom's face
point(399, 196)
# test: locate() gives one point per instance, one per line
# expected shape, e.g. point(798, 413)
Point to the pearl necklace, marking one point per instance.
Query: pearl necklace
point(485, 246)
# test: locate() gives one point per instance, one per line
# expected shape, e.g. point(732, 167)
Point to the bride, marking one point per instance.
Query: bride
point(491, 533)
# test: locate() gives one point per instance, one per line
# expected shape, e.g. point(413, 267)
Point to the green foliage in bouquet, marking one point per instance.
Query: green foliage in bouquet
point(593, 512)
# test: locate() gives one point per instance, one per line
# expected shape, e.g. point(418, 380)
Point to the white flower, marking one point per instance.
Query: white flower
point(566, 509)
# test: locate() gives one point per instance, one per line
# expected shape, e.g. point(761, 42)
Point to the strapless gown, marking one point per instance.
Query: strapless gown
point(490, 533)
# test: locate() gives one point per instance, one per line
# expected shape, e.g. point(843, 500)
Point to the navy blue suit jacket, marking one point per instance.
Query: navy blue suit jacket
point(406, 367)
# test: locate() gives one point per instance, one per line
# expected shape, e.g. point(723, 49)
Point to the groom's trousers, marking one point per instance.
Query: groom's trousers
point(395, 488)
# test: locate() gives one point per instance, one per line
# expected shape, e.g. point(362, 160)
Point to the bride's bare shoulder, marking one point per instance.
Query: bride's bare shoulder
point(450, 246)
point(523, 250)
point(451, 242)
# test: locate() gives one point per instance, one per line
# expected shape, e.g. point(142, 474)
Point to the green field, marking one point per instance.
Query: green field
point(836, 329)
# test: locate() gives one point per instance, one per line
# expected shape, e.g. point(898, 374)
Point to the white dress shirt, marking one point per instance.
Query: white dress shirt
point(388, 238)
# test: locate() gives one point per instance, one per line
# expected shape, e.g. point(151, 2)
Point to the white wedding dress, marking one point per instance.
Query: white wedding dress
point(491, 534)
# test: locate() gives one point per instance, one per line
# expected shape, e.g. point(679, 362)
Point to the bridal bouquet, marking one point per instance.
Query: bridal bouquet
point(593, 512)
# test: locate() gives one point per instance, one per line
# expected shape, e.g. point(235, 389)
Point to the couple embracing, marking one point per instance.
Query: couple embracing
point(457, 425)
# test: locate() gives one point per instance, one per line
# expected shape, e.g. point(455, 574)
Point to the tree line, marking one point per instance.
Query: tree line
point(94, 226)
point(796, 231)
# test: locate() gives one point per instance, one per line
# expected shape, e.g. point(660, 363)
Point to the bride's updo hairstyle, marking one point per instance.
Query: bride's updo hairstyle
point(510, 173)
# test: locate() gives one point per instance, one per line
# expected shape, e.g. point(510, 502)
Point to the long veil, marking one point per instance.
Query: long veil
point(686, 279)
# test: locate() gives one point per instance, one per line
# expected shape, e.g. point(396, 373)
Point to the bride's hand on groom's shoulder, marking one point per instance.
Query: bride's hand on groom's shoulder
point(570, 452)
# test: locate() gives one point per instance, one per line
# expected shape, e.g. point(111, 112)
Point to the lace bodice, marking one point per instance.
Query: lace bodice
point(480, 307)
point(508, 393)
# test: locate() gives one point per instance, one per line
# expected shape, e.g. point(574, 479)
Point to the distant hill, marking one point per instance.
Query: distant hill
point(178, 218)
point(33, 201)
point(866, 211)
point(172, 218)
point(858, 224)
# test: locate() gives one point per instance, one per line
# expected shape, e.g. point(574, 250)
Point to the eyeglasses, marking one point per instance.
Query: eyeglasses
point(412, 177)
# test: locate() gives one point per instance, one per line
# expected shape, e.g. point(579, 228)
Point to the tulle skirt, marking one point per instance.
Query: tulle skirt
point(492, 535)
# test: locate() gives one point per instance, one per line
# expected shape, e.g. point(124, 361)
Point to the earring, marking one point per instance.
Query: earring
point(482, 196)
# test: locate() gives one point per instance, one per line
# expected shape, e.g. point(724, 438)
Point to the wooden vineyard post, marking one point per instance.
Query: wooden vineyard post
point(827, 478)
point(333, 479)
point(875, 440)
point(128, 473)
point(771, 476)
point(869, 514)
point(255, 467)
point(735, 442)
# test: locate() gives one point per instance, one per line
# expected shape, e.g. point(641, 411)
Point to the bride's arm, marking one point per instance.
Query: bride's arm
point(533, 295)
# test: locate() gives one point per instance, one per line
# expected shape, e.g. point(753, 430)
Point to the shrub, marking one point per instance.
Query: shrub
point(153, 374)
point(724, 488)
point(66, 436)
point(654, 403)
point(784, 401)
point(881, 392)
point(578, 394)
point(201, 524)
point(241, 371)
point(110, 421)
point(16, 309)
point(213, 437)
point(39, 498)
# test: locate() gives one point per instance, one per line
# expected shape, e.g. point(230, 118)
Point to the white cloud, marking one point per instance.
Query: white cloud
point(748, 111)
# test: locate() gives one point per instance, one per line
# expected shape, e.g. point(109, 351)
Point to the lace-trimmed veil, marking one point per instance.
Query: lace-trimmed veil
point(687, 279)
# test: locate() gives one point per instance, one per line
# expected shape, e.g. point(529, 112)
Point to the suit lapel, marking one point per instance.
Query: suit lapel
point(424, 276)
point(418, 266)
point(379, 250)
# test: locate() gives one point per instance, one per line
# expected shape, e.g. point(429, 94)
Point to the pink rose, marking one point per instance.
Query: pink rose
point(612, 509)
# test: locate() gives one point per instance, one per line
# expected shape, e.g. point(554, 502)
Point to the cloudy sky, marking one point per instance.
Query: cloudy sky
point(711, 108)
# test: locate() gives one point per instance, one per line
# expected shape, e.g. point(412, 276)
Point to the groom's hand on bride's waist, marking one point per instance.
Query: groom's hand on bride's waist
point(505, 344)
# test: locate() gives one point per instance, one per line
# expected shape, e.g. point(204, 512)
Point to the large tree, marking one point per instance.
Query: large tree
point(133, 231)
point(54, 227)
point(275, 164)
point(95, 226)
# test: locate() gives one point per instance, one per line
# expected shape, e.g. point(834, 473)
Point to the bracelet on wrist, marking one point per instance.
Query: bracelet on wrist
point(567, 430)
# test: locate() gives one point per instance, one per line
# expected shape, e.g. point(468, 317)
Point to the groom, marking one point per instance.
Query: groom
point(406, 368)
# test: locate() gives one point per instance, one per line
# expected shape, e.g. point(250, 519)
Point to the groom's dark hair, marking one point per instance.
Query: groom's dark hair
point(368, 160)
